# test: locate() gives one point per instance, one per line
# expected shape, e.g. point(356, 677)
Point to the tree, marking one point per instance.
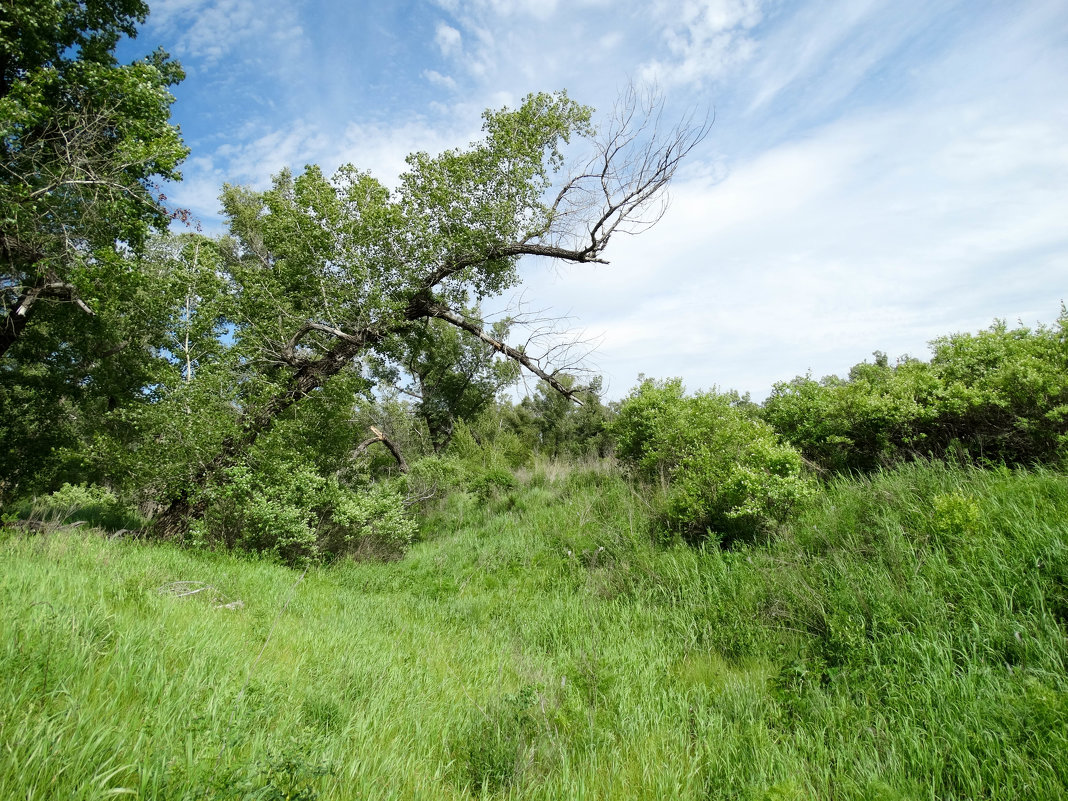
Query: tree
point(78, 392)
point(451, 374)
point(83, 143)
point(329, 270)
point(559, 426)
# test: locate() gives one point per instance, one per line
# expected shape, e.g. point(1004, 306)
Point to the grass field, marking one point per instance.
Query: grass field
point(904, 637)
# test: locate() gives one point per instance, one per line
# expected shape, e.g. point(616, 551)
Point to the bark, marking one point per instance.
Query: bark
point(379, 436)
point(20, 311)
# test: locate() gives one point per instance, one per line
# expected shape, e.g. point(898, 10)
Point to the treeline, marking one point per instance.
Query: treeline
point(732, 470)
point(348, 470)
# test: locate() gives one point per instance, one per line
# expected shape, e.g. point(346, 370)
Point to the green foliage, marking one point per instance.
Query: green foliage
point(80, 395)
point(956, 516)
point(301, 495)
point(558, 427)
point(285, 508)
point(725, 475)
point(374, 521)
point(496, 748)
point(370, 252)
point(287, 775)
point(328, 277)
point(84, 141)
point(454, 376)
point(999, 396)
point(268, 510)
point(491, 482)
point(92, 504)
point(480, 468)
point(40, 33)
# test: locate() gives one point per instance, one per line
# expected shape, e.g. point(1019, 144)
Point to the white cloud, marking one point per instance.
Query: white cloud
point(704, 37)
point(436, 78)
point(535, 8)
point(448, 39)
point(209, 30)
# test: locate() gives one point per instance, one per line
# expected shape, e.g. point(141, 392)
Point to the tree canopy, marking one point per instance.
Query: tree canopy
point(84, 143)
point(335, 274)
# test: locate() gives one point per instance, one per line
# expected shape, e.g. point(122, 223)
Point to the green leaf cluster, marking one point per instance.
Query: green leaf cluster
point(724, 473)
point(997, 396)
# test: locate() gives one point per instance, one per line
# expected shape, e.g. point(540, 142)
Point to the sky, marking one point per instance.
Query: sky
point(879, 172)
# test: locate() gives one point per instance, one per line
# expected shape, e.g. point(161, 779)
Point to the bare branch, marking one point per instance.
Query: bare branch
point(442, 312)
point(379, 436)
point(622, 187)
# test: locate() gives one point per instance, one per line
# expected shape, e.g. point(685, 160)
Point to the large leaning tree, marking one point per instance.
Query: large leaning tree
point(84, 143)
point(331, 273)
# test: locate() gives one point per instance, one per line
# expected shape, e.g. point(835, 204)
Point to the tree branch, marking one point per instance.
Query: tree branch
point(379, 436)
point(18, 312)
point(442, 312)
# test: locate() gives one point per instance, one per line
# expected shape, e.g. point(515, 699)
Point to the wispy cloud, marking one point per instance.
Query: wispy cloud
point(207, 31)
point(436, 78)
point(448, 39)
point(919, 212)
point(704, 39)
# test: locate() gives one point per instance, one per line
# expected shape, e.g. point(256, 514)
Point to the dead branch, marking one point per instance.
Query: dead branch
point(442, 312)
point(379, 436)
point(622, 186)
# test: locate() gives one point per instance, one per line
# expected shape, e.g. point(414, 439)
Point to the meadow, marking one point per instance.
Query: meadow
point(902, 636)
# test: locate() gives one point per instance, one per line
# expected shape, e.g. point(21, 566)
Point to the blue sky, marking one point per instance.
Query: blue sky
point(880, 172)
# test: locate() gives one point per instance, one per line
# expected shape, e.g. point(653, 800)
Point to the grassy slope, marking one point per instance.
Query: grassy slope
point(905, 639)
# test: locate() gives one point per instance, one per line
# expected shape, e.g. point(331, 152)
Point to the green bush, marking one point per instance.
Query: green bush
point(96, 505)
point(372, 521)
point(999, 396)
point(482, 469)
point(269, 508)
point(491, 482)
point(287, 509)
point(724, 473)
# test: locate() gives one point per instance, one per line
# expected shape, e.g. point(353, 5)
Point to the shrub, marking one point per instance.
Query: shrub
point(724, 473)
point(96, 505)
point(269, 508)
point(372, 521)
point(285, 508)
point(999, 396)
point(491, 482)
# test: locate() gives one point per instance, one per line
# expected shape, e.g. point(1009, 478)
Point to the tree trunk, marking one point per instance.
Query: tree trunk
point(379, 436)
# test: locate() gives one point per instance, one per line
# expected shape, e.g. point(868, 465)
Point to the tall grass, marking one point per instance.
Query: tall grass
point(905, 637)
